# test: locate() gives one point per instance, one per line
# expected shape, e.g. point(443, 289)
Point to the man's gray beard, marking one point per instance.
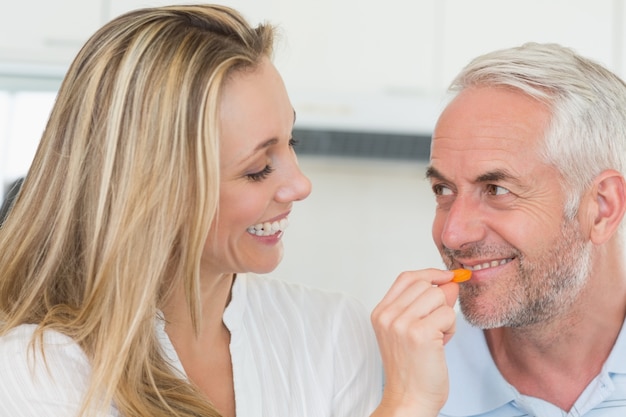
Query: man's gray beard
point(545, 287)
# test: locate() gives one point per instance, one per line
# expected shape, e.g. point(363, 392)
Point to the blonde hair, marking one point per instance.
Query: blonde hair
point(119, 199)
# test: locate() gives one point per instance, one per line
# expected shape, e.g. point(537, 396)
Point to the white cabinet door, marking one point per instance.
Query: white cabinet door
point(364, 46)
point(474, 27)
point(44, 31)
point(251, 9)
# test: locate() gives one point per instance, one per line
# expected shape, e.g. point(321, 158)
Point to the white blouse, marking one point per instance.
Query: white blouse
point(296, 351)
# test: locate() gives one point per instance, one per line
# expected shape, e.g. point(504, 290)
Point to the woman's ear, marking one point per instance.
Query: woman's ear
point(606, 204)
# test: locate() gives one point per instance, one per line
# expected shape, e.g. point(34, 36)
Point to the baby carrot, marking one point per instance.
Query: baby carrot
point(461, 275)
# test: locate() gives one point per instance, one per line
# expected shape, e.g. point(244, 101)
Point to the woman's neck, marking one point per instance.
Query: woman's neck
point(205, 355)
point(215, 294)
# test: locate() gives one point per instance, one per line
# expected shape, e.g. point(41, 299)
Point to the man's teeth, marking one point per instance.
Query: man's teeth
point(267, 228)
point(488, 264)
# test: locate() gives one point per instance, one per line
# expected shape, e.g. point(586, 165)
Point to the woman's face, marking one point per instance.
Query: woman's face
point(260, 176)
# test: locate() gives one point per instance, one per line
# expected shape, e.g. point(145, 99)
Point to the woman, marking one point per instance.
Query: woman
point(165, 174)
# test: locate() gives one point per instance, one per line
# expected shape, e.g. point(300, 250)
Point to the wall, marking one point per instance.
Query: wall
point(358, 66)
point(364, 222)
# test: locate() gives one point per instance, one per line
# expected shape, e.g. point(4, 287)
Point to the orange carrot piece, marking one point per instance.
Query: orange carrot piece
point(461, 275)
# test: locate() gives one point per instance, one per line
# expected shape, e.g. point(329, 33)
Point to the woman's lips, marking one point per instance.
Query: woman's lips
point(269, 228)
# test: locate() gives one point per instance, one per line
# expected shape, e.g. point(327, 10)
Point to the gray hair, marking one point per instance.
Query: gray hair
point(587, 131)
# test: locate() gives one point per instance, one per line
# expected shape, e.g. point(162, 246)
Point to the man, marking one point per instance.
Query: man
point(527, 166)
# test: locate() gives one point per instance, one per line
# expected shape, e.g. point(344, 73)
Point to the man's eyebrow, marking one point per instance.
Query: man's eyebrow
point(431, 173)
point(491, 176)
point(495, 176)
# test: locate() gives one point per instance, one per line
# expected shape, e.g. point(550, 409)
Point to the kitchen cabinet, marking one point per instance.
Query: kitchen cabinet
point(44, 32)
point(478, 26)
point(252, 9)
point(325, 45)
point(346, 63)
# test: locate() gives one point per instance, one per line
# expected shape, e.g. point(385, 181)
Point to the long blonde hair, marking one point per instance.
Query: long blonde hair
point(120, 197)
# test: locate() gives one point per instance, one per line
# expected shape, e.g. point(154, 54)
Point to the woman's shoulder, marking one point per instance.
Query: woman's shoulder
point(49, 373)
point(24, 333)
point(20, 342)
point(20, 349)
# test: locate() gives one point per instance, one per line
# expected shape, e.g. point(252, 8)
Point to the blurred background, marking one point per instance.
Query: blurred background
point(367, 79)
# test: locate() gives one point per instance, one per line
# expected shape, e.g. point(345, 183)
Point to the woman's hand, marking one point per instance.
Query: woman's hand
point(412, 323)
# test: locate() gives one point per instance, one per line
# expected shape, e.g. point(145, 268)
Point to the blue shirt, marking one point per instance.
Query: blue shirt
point(478, 389)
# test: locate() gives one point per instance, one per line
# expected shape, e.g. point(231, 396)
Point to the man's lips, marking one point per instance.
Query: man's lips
point(486, 264)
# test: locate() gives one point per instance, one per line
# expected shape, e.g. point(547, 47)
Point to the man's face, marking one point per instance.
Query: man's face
point(500, 210)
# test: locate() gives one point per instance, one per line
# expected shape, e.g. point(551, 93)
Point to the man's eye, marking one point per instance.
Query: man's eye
point(261, 175)
point(496, 190)
point(441, 190)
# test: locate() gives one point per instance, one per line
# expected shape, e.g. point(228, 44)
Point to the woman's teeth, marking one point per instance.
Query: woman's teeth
point(488, 264)
point(267, 228)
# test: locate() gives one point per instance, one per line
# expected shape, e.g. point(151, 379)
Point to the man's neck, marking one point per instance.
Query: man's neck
point(556, 361)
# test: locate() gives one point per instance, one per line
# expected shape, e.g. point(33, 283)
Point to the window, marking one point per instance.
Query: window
point(23, 117)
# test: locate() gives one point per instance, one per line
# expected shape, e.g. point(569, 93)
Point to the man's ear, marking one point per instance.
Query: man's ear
point(606, 205)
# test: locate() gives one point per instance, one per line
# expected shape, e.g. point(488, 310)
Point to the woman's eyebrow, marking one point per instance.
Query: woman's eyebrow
point(265, 144)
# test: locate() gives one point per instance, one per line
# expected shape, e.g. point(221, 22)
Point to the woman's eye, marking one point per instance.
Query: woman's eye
point(293, 142)
point(261, 175)
point(496, 190)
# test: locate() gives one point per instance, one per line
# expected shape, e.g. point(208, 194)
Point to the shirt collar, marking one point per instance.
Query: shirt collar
point(233, 314)
point(615, 363)
point(166, 345)
point(476, 385)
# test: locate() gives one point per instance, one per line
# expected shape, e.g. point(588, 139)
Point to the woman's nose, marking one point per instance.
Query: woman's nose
point(296, 186)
